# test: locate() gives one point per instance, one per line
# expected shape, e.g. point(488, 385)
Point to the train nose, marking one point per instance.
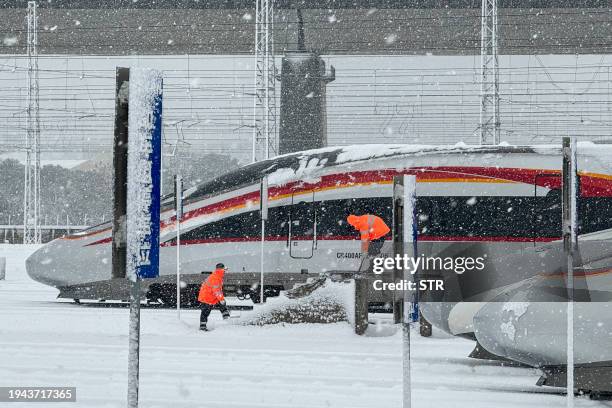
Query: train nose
point(454, 318)
point(500, 328)
point(44, 265)
point(535, 333)
point(437, 314)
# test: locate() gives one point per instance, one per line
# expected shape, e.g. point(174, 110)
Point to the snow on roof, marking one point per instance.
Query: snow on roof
point(312, 160)
point(307, 165)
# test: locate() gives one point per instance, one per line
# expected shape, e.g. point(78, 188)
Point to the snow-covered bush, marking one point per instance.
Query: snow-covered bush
point(333, 302)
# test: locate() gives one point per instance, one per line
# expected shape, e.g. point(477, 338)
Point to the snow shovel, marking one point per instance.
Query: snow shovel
point(305, 289)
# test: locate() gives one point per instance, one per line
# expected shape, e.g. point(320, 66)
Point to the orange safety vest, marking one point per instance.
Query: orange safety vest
point(211, 291)
point(370, 226)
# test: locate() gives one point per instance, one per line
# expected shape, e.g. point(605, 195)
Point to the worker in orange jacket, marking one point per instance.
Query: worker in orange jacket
point(372, 230)
point(211, 296)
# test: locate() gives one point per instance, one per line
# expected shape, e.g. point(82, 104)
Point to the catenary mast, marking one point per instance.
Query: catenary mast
point(489, 75)
point(31, 202)
point(264, 110)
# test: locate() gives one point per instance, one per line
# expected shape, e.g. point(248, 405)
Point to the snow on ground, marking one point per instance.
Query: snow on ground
point(45, 342)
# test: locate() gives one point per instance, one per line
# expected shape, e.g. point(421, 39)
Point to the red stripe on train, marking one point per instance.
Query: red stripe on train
point(428, 238)
point(590, 186)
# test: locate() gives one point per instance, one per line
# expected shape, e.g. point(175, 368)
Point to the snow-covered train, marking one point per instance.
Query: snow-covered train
point(483, 194)
point(504, 201)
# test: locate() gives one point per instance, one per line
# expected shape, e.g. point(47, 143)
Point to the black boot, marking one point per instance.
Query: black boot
point(206, 308)
point(224, 311)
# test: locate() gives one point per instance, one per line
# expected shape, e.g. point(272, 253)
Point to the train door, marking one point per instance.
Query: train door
point(302, 226)
point(547, 207)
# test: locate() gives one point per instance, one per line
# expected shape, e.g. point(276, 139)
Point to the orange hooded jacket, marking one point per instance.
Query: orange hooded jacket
point(370, 226)
point(211, 291)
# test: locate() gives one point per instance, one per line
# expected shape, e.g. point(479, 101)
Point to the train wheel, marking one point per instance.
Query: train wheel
point(269, 291)
point(167, 294)
point(154, 295)
point(189, 295)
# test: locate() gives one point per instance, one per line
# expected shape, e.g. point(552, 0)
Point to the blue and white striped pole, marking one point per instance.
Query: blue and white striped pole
point(143, 201)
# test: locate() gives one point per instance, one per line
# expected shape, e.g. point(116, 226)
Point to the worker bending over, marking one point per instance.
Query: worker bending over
point(372, 230)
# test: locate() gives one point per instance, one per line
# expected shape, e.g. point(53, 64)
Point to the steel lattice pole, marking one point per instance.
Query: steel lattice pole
point(32, 185)
point(264, 105)
point(489, 81)
point(256, 83)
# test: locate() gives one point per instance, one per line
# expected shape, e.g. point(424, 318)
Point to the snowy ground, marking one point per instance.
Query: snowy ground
point(44, 342)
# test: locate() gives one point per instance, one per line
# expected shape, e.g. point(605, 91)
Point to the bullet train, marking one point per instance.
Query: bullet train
point(503, 201)
point(528, 322)
point(480, 194)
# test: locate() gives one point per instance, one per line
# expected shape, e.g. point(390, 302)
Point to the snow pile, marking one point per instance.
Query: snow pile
point(308, 165)
point(331, 303)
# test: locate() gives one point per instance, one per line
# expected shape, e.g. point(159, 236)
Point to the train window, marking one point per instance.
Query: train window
point(438, 218)
point(546, 207)
point(594, 214)
point(474, 217)
point(302, 218)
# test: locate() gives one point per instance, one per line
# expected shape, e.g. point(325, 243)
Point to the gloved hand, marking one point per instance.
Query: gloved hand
point(226, 314)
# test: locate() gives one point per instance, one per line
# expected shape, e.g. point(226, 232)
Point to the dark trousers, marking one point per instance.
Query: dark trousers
point(206, 309)
point(376, 247)
point(374, 250)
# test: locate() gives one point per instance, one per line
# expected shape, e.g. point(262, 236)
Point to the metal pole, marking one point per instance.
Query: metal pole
point(263, 238)
point(398, 243)
point(272, 138)
point(178, 197)
point(406, 386)
point(263, 200)
point(255, 82)
point(143, 202)
point(496, 118)
point(264, 106)
point(6, 230)
point(32, 186)
point(484, 105)
point(569, 233)
point(266, 57)
point(409, 235)
point(489, 74)
point(178, 268)
point(134, 344)
point(120, 176)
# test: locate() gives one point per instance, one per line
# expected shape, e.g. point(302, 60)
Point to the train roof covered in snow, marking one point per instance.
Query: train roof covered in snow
point(293, 166)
